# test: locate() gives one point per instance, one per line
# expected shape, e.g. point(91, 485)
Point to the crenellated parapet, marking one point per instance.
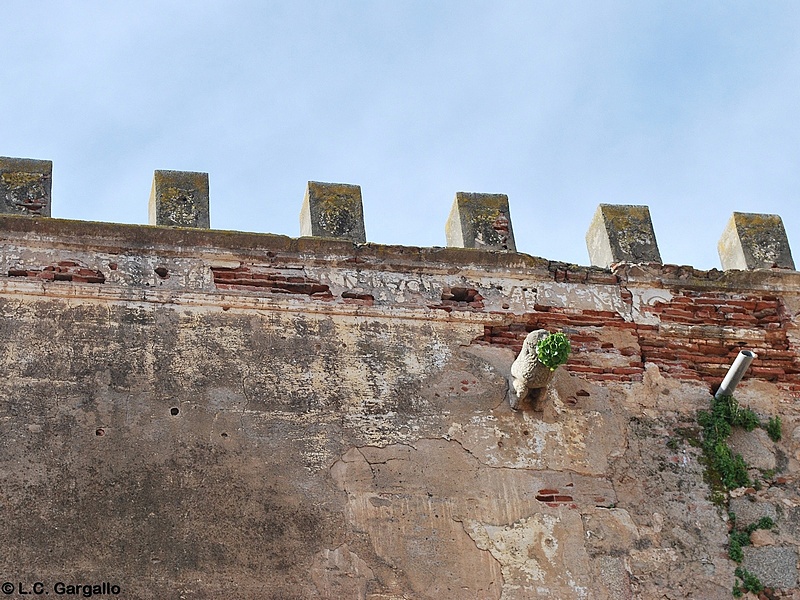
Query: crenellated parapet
point(618, 234)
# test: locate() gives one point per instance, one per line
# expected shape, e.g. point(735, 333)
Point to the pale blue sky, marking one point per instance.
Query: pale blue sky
point(689, 107)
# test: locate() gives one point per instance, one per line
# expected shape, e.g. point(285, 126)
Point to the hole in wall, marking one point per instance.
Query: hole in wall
point(223, 434)
point(460, 294)
point(174, 411)
point(100, 432)
point(162, 272)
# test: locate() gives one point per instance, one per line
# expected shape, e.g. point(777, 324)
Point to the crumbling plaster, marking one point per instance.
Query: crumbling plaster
point(332, 449)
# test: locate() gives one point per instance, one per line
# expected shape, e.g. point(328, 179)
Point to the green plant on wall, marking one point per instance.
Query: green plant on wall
point(738, 539)
point(726, 470)
point(773, 428)
point(750, 583)
point(553, 350)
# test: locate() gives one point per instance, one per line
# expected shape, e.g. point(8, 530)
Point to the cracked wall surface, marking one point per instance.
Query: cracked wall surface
point(206, 414)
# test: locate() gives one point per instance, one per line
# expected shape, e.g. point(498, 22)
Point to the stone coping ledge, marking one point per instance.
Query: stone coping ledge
point(214, 244)
point(91, 235)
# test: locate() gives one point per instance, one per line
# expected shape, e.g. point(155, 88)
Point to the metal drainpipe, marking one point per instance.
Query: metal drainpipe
point(735, 373)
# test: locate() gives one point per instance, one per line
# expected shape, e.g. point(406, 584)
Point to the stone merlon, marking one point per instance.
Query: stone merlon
point(179, 199)
point(25, 186)
point(621, 233)
point(480, 221)
point(754, 241)
point(333, 210)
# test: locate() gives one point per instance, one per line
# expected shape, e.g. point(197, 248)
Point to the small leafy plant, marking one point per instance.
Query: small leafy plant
point(739, 539)
point(773, 428)
point(553, 350)
point(750, 583)
point(729, 468)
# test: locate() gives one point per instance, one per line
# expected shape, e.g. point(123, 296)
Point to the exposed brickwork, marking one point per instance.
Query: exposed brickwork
point(584, 329)
point(267, 279)
point(703, 353)
point(707, 351)
point(553, 498)
point(65, 270)
point(570, 498)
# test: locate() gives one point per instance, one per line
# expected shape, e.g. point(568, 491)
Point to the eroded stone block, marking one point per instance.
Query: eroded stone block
point(748, 512)
point(754, 241)
point(622, 233)
point(25, 186)
point(480, 221)
point(179, 199)
point(755, 447)
point(333, 210)
point(775, 566)
point(613, 577)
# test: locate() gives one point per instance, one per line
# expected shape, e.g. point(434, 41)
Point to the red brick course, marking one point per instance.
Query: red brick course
point(65, 270)
point(706, 357)
point(272, 281)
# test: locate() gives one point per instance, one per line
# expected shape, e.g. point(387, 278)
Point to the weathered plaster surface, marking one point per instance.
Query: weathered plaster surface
point(227, 415)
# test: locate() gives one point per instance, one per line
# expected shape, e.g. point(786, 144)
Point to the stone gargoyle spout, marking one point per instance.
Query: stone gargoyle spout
point(535, 366)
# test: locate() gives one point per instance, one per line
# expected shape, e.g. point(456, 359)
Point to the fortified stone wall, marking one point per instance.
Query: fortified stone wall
point(189, 413)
